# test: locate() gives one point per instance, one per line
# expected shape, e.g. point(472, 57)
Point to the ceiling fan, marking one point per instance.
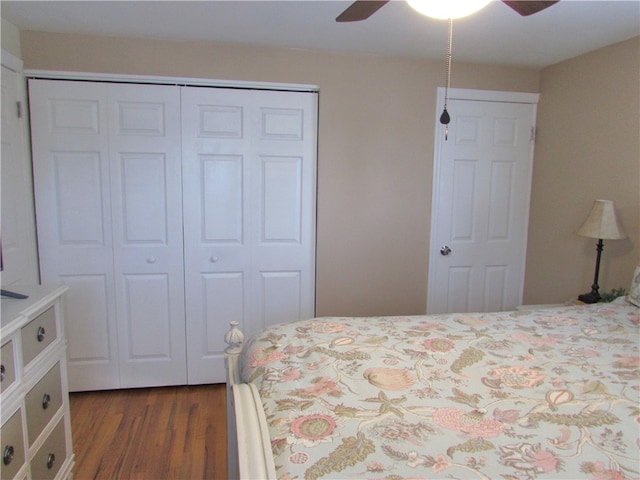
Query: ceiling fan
point(363, 9)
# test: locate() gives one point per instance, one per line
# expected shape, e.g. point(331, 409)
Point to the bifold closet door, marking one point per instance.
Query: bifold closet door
point(146, 204)
point(108, 203)
point(73, 210)
point(249, 172)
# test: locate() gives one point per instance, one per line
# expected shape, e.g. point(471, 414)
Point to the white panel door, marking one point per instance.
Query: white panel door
point(482, 183)
point(17, 221)
point(146, 193)
point(249, 169)
point(73, 204)
point(108, 195)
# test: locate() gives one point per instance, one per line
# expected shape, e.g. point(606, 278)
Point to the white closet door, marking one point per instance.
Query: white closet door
point(19, 252)
point(73, 210)
point(249, 169)
point(146, 192)
point(108, 194)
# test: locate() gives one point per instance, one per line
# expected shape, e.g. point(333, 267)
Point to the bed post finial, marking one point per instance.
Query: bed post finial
point(234, 338)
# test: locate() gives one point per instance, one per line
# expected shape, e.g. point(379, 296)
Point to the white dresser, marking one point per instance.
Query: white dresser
point(35, 441)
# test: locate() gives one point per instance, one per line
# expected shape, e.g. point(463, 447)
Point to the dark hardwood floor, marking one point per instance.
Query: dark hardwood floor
point(150, 433)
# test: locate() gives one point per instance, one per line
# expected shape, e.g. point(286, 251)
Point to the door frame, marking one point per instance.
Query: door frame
point(162, 80)
point(25, 270)
point(458, 94)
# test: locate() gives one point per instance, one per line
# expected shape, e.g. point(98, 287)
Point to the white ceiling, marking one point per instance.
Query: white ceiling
point(496, 35)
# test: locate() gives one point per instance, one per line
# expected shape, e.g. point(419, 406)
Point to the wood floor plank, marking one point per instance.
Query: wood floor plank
point(150, 433)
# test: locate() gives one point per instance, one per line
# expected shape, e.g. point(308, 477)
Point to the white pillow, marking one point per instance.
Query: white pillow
point(634, 291)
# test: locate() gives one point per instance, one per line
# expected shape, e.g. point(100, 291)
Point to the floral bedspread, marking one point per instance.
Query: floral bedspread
point(551, 394)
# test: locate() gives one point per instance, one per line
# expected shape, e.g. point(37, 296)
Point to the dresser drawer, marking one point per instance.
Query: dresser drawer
point(7, 366)
point(35, 441)
point(13, 454)
point(42, 402)
point(47, 461)
point(38, 334)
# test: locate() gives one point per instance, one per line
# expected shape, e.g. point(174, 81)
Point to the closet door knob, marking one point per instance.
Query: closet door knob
point(46, 401)
point(7, 456)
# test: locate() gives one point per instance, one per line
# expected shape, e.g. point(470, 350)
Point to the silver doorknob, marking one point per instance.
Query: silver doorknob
point(445, 250)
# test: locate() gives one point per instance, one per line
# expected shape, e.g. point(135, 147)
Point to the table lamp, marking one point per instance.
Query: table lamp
point(602, 224)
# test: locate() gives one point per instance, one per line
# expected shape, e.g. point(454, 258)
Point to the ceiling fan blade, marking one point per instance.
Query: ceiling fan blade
point(361, 10)
point(528, 7)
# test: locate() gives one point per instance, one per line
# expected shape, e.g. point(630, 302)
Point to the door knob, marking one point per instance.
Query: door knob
point(445, 250)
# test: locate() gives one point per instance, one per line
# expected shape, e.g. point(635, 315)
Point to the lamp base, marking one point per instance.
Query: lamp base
point(592, 297)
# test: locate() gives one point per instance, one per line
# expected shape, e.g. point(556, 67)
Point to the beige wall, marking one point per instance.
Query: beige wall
point(587, 148)
point(375, 147)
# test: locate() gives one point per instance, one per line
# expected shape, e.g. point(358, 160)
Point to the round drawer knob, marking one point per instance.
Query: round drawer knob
point(46, 401)
point(151, 260)
point(7, 456)
point(214, 259)
point(51, 458)
point(2, 370)
point(41, 333)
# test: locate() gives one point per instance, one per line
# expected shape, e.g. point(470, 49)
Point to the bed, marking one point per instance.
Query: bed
point(552, 393)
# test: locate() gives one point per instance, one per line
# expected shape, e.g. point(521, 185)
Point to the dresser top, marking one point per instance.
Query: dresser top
point(39, 295)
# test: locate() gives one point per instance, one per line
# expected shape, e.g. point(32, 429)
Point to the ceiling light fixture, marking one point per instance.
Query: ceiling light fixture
point(447, 9)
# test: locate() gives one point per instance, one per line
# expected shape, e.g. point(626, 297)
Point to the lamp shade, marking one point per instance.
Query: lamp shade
point(602, 222)
point(445, 9)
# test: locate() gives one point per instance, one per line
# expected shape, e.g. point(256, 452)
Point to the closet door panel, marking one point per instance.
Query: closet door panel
point(281, 202)
point(90, 334)
point(73, 204)
point(222, 190)
point(284, 201)
point(249, 213)
point(280, 294)
point(146, 191)
point(146, 309)
point(78, 175)
point(216, 221)
point(223, 297)
point(144, 198)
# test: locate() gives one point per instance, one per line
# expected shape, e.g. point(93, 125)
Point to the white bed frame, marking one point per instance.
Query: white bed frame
point(248, 445)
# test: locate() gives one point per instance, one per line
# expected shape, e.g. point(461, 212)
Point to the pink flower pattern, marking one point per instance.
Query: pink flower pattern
point(263, 356)
point(320, 386)
point(517, 376)
point(472, 423)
